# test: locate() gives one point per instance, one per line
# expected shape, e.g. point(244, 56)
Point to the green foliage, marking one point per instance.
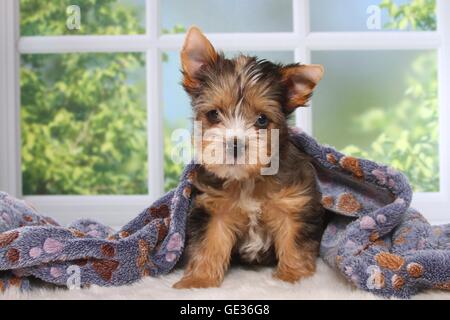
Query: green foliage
point(176, 29)
point(407, 135)
point(110, 17)
point(414, 15)
point(83, 115)
point(83, 124)
point(172, 169)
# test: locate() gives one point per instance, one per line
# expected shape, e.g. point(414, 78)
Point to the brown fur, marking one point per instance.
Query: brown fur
point(237, 211)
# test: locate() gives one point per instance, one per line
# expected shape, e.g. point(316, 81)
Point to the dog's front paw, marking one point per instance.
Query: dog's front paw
point(189, 282)
point(288, 277)
point(291, 275)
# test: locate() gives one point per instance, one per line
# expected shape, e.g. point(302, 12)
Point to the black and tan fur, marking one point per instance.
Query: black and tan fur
point(237, 211)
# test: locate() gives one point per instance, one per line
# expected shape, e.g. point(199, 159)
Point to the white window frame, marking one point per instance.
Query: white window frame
point(118, 209)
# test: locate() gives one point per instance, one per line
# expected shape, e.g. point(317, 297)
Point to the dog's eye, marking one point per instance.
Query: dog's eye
point(262, 121)
point(213, 116)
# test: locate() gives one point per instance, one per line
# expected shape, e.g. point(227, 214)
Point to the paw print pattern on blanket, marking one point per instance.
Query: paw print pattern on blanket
point(7, 238)
point(103, 256)
point(374, 238)
point(365, 247)
point(352, 165)
point(348, 204)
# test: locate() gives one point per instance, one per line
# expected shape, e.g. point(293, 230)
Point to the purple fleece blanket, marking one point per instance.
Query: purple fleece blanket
point(374, 239)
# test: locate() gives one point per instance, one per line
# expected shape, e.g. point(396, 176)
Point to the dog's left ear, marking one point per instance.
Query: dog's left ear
point(300, 81)
point(196, 53)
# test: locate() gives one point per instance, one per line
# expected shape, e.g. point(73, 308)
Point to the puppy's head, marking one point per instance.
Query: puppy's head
point(238, 101)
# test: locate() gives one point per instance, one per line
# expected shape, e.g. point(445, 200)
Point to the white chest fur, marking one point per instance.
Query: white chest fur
point(256, 241)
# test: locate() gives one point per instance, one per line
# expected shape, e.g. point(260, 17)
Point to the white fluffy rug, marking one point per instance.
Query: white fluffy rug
point(239, 284)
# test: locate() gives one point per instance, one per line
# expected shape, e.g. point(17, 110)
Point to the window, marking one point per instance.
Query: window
point(87, 105)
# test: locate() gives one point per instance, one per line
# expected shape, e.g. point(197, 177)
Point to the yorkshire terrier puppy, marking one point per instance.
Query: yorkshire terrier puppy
point(238, 211)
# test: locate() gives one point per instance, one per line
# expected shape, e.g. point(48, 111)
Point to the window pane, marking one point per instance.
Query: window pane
point(381, 105)
point(83, 120)
point(66, 17)
point(373, 15)
point(228, 15)
point(177, 108)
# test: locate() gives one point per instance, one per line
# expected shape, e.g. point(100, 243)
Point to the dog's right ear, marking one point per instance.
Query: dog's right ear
point(197, 51)
point(300, 81)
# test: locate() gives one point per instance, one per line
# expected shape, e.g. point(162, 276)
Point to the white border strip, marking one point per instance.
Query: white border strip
point(10, 173)
point(395, 40)
point(237, 41)
point(132, 43)
point(70, 44)
point(113, 210)
point(436, 206)
point(155, 134)
point(303, 116)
